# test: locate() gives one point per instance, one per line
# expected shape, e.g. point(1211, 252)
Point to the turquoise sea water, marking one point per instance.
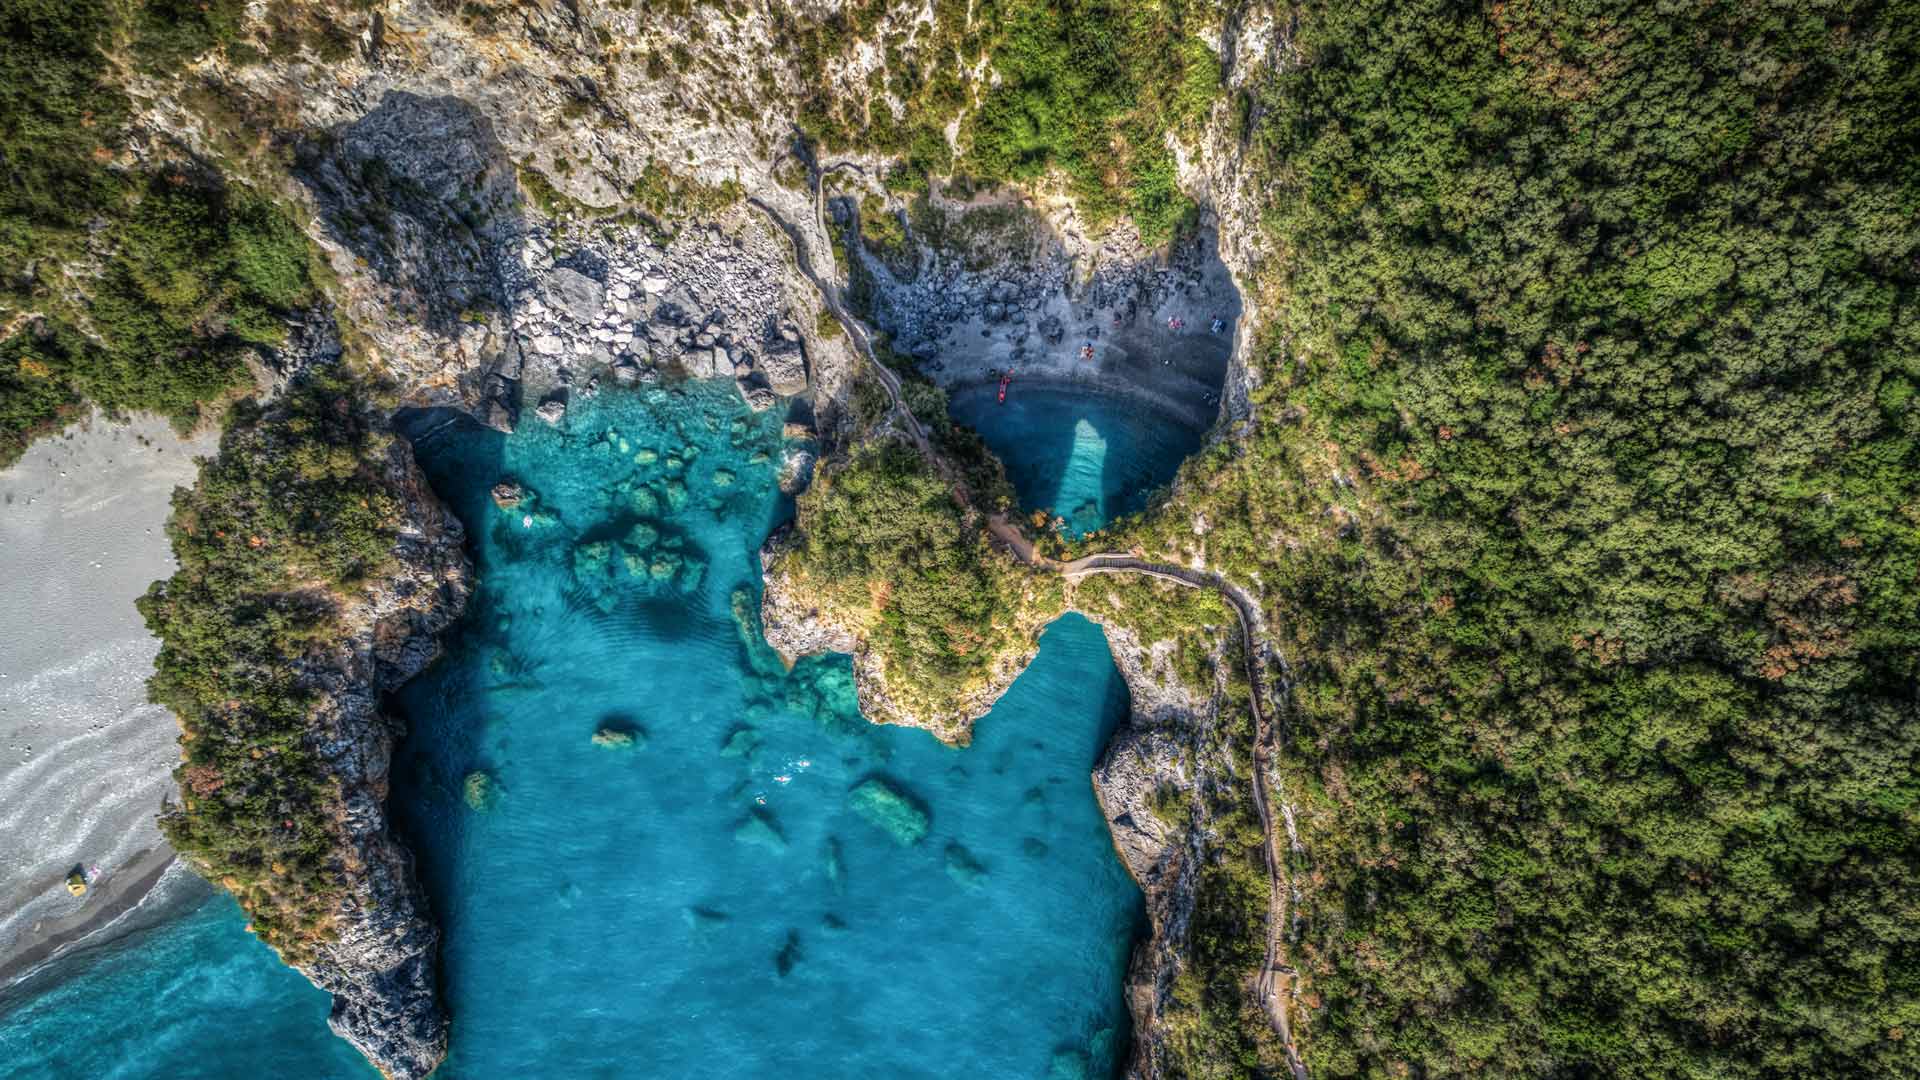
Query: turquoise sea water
point(194, 998)
point(1082, 454)
point(704, 900)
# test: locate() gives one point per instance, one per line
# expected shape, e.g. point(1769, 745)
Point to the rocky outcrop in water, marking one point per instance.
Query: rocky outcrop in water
point(380, 965)
point(1148, 758)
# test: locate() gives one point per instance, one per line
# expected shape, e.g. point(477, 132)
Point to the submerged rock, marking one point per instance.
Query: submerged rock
point(742, 742)
point(891, 811)
point(758, 830)
point(963, 868)
point(700, 918)
point(1068, 1065)
point(789, 954)
point(480, 791)
point(830, 858)
point(506, 494)
point(647, 555)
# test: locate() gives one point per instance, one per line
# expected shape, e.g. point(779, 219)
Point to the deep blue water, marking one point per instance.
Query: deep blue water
point(705, 901)
point(1079, 453)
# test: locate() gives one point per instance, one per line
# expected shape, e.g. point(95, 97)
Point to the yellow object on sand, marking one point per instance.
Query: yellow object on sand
point(77, 883)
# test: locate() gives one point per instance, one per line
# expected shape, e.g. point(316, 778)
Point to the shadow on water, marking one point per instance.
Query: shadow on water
point(462, 460)
point(1083, 453)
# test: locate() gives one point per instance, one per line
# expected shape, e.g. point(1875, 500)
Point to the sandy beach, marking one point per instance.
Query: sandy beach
point(84, 759)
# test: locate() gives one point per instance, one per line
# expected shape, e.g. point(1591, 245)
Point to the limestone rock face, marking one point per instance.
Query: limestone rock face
point(1154, 751)
point(380, 969)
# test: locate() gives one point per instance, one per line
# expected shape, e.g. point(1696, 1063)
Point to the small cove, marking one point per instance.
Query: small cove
point(1075, 450)
point(706, 900)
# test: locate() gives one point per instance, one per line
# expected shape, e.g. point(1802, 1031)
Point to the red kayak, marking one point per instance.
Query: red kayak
point(1004, 380)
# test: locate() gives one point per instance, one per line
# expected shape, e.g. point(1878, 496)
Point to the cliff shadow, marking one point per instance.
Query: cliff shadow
point(422, 190)
point(1119, 355)
point(445, 743)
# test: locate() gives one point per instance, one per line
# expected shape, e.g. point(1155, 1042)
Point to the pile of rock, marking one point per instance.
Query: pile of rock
point(711, 303)
point(643, 560)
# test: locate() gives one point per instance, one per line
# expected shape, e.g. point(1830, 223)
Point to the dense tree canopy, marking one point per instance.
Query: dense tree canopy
point(1587, 487)
point(134, 290)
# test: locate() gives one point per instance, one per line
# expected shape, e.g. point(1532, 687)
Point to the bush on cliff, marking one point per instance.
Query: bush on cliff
point(291, 517)
point(147, 291)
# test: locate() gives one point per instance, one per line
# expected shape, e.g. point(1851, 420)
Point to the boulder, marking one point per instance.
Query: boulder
point(890, 810)
point(575, 293)
point(552, 411)
point(784, 366)
point(614, 738)
point(757, 829)
point(963, 868)
point(480, 791)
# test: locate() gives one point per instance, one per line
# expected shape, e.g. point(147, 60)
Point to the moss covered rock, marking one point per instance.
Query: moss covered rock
point(890, 810)
point(480, 791)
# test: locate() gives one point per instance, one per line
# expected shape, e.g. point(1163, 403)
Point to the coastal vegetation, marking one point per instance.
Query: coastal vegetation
point(1085, 91)
point(1583, 497)
point(287, 523)
point(887, 550)
point(1215, 1028)
point(132, 289)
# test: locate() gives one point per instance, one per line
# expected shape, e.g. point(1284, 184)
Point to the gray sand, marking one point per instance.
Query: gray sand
point(84, 759)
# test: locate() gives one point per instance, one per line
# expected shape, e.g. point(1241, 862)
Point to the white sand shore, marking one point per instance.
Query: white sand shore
point(84, 759)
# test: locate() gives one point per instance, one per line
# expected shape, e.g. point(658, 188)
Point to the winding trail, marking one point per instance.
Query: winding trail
point(1274, 982)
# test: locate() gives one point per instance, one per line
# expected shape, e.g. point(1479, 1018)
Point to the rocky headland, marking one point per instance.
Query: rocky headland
point(380, 966)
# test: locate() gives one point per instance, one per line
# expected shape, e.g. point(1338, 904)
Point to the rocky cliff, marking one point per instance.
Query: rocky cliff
point(380, 966)
point(1148, 765)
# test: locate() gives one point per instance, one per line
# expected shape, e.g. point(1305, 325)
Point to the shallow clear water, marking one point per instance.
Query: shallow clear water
point(197, 997)
point(1085, 455)
point(704, 901)
point(673, 909)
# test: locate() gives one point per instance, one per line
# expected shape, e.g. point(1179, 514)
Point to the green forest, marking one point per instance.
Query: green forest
point(292, 516)
point(143, 289)
point(1586, 497)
